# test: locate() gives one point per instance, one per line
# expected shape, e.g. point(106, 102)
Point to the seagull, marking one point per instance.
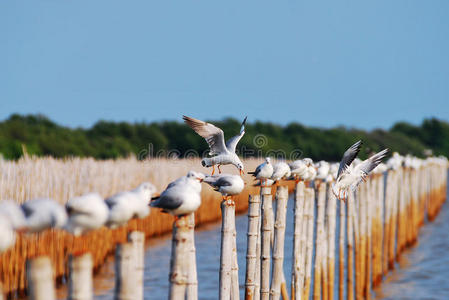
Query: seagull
point(350, 176)
point(280, 171)
point(227, 185)
point(43, 213)
point(128, 205)
point(322, 168)
point(7, 234)
point(299, 168)
point(87, 212)
point(263, 172)
point(12, 211)
point(182, 196)
point(222, 154)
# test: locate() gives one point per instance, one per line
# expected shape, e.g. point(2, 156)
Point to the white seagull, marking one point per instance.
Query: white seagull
point(322, 168)
point(127, 205)
point(227, 185)
point(222, 154)
point(263, 171)
point(43, 213)
point(12, 211)
point(182, 196)
point(300, 168)
point(7, 234)
point(87, 212)
point(350, 176)
point(280, 171)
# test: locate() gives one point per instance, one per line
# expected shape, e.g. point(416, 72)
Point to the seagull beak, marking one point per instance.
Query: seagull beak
point(241, 172)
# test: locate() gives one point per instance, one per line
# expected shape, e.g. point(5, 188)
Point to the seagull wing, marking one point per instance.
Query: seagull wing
point(213, 135)
point(348, 157)
point(362, 170)
point(231, 144)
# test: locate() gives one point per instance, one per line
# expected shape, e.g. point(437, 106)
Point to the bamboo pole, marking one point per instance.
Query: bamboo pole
point(392, 190)
point(137, 239)
point(296, 285)
point(251, 250)
point(331, 227)
point(257, 275)
point(235, 292)
point(341, 252)
point(179, 259)
point(125, 272)
point(227, 231)
point(80, 277)
point(267, 227)
point(279, 238)
point(350, 237)
point(321, 196)
point(40, 279)
point(310, 199)
point(192, 280)
point(369, 250)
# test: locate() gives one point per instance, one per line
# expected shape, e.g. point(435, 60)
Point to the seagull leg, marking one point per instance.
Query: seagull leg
point(213, 169)
point(219, 171)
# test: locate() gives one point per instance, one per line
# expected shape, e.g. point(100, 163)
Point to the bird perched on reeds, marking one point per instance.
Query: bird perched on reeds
point(86, 212)
point(182, 196)
point(43, 213)
point(7, 234)
point(263, 172)
point(13, 212)
point(221, 153)
point(128, 205)
point(281, 170)
point(227, 185)
point(350, 176)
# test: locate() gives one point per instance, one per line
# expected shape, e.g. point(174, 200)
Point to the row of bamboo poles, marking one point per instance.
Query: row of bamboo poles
point(340, 249)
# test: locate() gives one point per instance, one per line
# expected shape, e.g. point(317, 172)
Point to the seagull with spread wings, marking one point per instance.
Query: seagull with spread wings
point(221, 153)
point(350, 176)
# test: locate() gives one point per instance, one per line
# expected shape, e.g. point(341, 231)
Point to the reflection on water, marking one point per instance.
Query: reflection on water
point(422, 273)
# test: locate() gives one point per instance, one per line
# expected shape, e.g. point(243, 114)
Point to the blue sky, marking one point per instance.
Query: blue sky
point(357, 63)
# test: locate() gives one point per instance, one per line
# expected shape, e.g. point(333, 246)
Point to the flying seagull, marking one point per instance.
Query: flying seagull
point(182, 196)
point(351, 176)
point(222, 154)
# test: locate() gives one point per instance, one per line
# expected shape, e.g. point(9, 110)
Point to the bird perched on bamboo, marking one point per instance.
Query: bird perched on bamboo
point(182, 196)
point(281, 170)
point(227, 185)
point(86, 212)
point(350, 176)
point(43, 213)
point(12, 211)
point(221, 153)
point(128, 205)
point(263, 171)
point(301, 169)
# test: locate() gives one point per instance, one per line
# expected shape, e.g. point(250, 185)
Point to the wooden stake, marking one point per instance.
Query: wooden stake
point(319, 241)
point(331, 227)
point(179, 259)
point(137, 239)
point(251, 250)
point(309, 215)
point(80, 277)
point(297, 262)
point(341, 252)
point(40, 279)
point(227, 231)
point(279, 237)
point(267, 227)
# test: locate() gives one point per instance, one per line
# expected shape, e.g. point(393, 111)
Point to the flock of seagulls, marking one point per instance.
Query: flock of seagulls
point(182, 196)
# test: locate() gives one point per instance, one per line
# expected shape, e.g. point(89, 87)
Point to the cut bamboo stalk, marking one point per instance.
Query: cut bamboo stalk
point(251, 250)
point(361, 240)
point(297, 267)
point(235, 292)
point(369, 209)
point(228, 223)
point(279, 238)
point(137, 239)
point(80, 277)
point(321, 196)
point(310, 199)
point(125, 272)
point(341, 252)
point(40, 279)
point(192, 280)
point(179, 259)
point(267, 227)
point(257, 275)
point(331, 227)
point(352, 220)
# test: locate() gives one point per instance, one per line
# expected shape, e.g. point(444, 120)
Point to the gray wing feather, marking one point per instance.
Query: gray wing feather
point(348, 157)
point(231, 144)
point(213, 135)
point(368, 165)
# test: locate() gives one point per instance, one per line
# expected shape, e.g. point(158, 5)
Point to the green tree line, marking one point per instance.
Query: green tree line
point(38, 135)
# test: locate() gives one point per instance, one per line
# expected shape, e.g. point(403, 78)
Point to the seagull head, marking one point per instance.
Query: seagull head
point(196, 175)
point(147, 189)
point(268, 160)
point(308, 161)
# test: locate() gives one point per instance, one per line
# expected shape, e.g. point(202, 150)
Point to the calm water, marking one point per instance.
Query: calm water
point(422, 273)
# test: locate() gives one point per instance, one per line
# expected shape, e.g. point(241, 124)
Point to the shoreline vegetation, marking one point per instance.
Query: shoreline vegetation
point(40, 136)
